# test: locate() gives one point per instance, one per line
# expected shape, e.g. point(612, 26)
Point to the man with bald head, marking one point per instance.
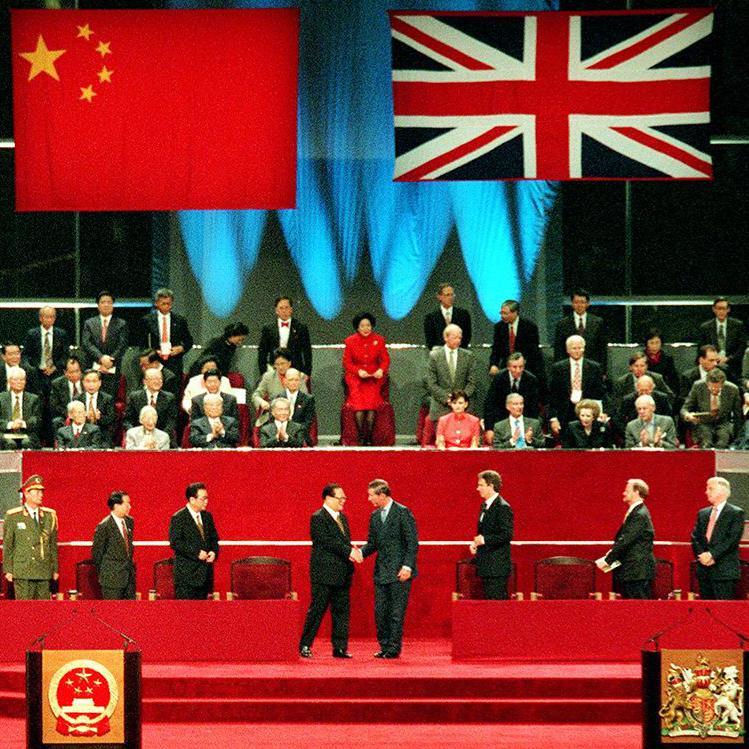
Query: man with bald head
point(45, 348)
point(214, 430)
point(644, 385)
point(650, 429)
point(153, 394)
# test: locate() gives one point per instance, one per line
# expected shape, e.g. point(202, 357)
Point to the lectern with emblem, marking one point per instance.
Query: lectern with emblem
point(83, 696)
point(695, 696)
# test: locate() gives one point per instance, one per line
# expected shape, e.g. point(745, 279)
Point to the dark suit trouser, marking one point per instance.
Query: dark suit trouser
point(636, 589)
point(337, 597)
point(390, 611)
point(495, 588)
point(120, 594)
point(715, 590)
point(190, 593)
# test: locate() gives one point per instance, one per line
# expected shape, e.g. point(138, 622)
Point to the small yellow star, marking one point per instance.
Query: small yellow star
point(105, 75)
point(88, 94)
point(103, 48)
point(42, 59)
point(85, 32)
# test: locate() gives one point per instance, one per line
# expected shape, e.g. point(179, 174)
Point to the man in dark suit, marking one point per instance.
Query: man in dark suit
point(331, 568)
point(707, 360)
point(104, 341)
point(280, 431)
point(715, 542)
point(627, 383)
point(194, 540)
point(63, 390)
point(628, 411)
point(112, 550)
point(586, 324)
point(514, 333)
point(491, 545)
point(714, 408)
point(633, 545)
point(45, 349)
point(573, 379)
point(285, 332)
point(214, 430)
point(393, 537)
point(78, 434)
point(154, 395)
point(99, 406)
point(436, 322)
point(20, 414)
point(166, 332)
point(728, 335)
point(149, 359)
point(514, 379)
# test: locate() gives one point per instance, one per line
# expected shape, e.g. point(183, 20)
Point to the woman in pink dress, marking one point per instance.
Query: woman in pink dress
point(365, 364)
point(458, 429)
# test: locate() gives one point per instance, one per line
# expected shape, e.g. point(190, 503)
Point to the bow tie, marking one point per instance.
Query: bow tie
point(285, 324)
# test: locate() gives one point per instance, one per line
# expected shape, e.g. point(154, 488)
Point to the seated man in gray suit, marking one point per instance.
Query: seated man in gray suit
point(714, 410)
point(517, 431)
point(20, 413)
point(79, 434)
point(147, 436)
point(450, 368)
point(650, 429)
point(214, 429)
point(280, 431)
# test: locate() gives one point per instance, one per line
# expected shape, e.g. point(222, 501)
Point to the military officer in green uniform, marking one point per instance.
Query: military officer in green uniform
point(30, 543)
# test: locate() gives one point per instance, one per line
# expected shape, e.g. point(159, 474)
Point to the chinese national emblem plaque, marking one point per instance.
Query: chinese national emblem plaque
point(84, 696)
point(702, 696)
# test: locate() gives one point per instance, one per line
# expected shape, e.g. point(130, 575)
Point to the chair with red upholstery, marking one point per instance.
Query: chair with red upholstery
point(163, 578)
point(254, 578)
point(561, 578)
point(469, 586)
point(383, 433)
point(87, 580)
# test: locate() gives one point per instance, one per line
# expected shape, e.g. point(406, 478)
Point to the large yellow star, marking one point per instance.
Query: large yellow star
point(88, 94)
point(103, 48)
point(85, 32)
point(105, 75)
point(42, 59)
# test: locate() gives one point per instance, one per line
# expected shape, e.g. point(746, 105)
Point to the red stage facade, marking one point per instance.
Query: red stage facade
point(564, 502)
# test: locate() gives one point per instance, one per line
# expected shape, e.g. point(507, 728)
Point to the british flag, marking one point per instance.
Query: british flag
point(559, 96)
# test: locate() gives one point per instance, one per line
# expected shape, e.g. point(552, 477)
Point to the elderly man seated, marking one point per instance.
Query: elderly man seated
point(79, 434)
point(214, 429)
point(713, 408)
point(517, 431)
point(280, 431)
point(273, 384)
point(645, 385)
point(20, 413)
point(147, 436)
point(650, 429)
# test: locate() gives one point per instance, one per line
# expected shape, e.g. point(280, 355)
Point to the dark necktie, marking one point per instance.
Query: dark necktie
point(339, 523)
point(514, 388)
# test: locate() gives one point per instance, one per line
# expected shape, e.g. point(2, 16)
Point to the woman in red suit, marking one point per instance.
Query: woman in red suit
point(365, 364)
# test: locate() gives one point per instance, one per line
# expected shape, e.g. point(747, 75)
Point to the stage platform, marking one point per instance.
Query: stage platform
point(423, 686)
point(564, 503)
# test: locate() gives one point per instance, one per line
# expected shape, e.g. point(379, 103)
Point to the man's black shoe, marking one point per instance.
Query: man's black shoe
point(338, 653)
point(305, 652)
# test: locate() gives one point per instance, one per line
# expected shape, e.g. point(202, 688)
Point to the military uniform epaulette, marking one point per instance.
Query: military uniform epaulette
point(48, 509)
point(14, 510)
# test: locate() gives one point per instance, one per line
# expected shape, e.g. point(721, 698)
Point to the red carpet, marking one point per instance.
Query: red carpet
point(381, 736)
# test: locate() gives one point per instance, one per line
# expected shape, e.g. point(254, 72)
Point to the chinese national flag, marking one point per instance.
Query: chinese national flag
point(154, 110)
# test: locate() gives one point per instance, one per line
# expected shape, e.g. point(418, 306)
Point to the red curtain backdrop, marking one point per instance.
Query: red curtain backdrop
point(269, 496)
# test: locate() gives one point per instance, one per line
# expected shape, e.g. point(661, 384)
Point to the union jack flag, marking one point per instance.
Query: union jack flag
point(559, 96)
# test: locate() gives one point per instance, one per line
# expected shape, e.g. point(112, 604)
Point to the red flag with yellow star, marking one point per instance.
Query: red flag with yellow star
point(154, 110)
